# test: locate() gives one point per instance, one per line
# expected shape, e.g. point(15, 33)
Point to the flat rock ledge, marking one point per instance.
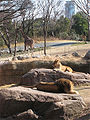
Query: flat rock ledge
point(34, 76)
point(20, 103)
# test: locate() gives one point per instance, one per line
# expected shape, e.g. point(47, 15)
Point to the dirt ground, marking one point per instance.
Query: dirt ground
point(61, 51)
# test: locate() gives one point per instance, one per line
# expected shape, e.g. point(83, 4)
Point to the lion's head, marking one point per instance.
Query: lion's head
point(56, 64)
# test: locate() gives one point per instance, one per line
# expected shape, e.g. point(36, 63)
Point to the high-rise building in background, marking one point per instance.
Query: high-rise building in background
point(69, 9)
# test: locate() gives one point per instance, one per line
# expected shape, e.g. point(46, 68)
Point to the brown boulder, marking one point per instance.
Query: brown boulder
point(42, 105)
point(48, 75)
point(87, 55)
point(27, 115)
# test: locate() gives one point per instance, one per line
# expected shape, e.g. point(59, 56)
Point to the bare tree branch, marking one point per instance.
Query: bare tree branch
point(84, 6)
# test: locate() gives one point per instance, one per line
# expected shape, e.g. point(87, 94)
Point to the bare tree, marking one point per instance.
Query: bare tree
point(48, 9)
point(84, 6)
point(16, 35)
point(6, 40)
point(30, 21)
point(9, 10)
point(27, 24)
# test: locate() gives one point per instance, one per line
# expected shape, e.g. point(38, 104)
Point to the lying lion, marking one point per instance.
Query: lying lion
point(61, 85)
point(58, 66)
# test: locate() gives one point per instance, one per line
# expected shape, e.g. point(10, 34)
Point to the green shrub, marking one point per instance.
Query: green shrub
point(74, 36)
point(1, 42)
point(63, 35)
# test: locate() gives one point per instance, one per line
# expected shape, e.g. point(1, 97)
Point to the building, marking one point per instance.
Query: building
point(69, 9)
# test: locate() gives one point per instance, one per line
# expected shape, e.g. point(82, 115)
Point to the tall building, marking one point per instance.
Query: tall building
point(69, 9)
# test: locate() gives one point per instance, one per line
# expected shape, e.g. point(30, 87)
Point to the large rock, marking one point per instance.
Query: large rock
point(27, 115)
point(48, 75)
point(87, 56)
point(75, 54)
point(15, 103)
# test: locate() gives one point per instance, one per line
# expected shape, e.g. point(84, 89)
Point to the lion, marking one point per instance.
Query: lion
point(61, 85)
point(58, 66)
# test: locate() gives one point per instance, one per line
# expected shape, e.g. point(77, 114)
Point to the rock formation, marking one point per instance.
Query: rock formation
point(87, 56)
point(19, 103)
point(48, 75)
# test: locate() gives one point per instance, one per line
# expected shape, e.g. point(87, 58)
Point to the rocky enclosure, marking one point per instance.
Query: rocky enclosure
point(19, 103)
point(11, 72)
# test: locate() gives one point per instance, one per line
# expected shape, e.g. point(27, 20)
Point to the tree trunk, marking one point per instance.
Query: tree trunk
point(32, 25)
point(15, 48)
point(45, 36)
point(10, 51)
point(22, 34)
point(89, 29)
point(44, 45)
point(15, 44)
point(25, 45)
point(15, 39)
point(7, 44)
point(88, 11)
